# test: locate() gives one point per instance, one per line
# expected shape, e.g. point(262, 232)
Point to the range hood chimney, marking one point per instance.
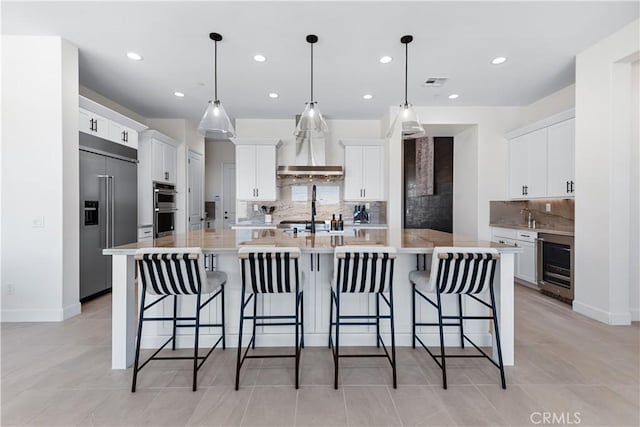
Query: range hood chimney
point(310, 159)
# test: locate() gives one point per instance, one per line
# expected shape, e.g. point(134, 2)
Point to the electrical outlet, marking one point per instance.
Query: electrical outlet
point(255, 208)
point(547, 207)
point(367, 206)
point(11, 289)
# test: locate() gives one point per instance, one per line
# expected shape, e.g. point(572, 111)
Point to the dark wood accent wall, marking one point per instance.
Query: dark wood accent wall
point(435, 211)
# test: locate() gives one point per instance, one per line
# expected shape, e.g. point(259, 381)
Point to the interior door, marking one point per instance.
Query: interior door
point(93, 264)
point(228, 194)
point(196, 196)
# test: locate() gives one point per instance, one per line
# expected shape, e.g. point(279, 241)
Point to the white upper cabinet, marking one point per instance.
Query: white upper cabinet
point(164, 158)
point(98, 120)
point(561, 164)
point(541, 158)
point(123, 135)
point(256, 163)
point(537, 164)
point(363, 170)
point(93, 124)
point(528, 167)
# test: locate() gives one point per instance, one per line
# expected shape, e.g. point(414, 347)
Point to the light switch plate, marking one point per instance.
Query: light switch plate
point(37, 221)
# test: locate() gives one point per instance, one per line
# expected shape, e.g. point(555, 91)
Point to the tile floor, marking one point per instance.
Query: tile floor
point(579, 370)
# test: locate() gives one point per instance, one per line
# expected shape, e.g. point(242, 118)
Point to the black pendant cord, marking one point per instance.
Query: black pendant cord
point(311, 73)
point(216, 37)
point(406, 71)
point(215, 67)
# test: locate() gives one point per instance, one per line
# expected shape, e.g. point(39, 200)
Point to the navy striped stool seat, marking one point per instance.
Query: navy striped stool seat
point(165, 272)
point(458, 271)
point(270, 270)
point(368, 270)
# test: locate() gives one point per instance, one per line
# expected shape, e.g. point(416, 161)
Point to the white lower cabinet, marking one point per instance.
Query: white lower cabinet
point(525, 267)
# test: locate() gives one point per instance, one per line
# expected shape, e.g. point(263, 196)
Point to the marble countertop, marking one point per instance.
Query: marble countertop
point(225, 240)
point(538, 230)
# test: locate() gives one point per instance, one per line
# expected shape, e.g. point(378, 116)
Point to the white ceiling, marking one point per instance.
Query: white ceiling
point(455, 40)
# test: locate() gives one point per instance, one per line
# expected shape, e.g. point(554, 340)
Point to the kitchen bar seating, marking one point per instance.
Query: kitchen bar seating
point(364, 270)
point(458, 271)
point(270, 270)
point(177, 272)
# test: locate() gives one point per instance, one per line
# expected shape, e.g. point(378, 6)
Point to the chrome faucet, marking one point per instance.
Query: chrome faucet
point(313, 210)
point(530, 218)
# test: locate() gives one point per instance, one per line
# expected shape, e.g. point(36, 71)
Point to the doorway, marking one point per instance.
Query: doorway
point(228, 194)
point(195, 202)
point(428, 183)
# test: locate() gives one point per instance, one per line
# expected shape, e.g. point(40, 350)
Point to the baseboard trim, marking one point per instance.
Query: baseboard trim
point(71, 311)
point(25, 315)
point(601, 315)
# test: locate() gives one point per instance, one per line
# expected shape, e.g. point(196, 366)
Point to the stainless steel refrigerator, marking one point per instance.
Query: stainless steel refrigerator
point(109, 208)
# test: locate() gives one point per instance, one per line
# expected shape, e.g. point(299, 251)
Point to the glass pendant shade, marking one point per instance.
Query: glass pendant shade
point(411, 127)
point(311, 123)
point(215, 123)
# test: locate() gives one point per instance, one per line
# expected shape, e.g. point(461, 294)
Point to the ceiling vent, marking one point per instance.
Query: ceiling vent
point(435, 82)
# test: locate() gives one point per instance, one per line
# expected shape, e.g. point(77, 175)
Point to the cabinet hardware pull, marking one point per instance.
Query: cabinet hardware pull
point(166, 176)
point(257, 192)
point(567, 186)
point(364, 192)
point(572, 189)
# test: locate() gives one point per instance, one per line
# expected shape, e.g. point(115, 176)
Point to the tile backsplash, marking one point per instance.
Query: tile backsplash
point(294, 202)
point(560, 217)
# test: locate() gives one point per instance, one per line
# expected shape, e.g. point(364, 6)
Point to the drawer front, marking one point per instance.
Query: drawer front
point(145, 233)
point(505, 233)
point(527, 236)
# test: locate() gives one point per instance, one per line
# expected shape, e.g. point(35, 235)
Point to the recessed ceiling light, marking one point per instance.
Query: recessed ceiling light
point(179, 94)
point(367, 96)
point(134, 56)
point(498, 60)
point(454, 96)
point(273, 95)
point(259, 58)
point(386, 59)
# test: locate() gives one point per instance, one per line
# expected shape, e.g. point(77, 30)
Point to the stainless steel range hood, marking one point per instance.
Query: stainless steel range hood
point(310, 171)
point(310, 160)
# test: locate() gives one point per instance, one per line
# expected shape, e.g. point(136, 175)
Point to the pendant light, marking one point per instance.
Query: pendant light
point(411, 127)
point(311, 123)
point(215, 122)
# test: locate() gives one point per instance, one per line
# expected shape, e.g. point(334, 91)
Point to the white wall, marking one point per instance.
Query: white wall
point(40, 264)
point(634, 196)
point(562, 100)
point(103, 100)
point(603, 177)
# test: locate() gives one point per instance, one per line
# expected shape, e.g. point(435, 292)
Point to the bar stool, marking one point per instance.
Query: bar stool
point(458, 271)
point(270, 270)
point(177, 272)
point(360, 269)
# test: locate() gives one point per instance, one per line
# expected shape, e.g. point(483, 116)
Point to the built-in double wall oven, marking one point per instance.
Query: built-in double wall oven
point(555, 265)
point(164, 209)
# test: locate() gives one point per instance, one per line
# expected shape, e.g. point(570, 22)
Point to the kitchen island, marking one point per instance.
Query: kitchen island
point(414, 247)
